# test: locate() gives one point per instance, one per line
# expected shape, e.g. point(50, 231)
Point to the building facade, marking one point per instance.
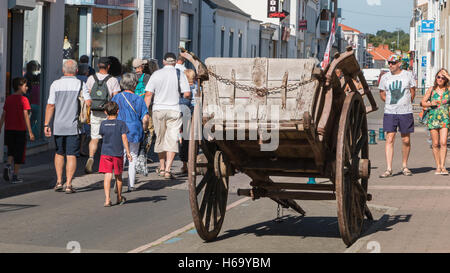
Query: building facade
point(227, 31)
point(358, 42)
point(27, 45)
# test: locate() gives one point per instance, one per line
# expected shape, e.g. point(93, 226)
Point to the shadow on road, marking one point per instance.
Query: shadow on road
point(385, 223)
point(325, 227)
point(154, 199)
point(14, 207)
point(290, 226)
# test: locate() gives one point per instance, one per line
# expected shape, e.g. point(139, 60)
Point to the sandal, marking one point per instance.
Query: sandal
point(108, 204)
point(444, 171)
point(58, 187)
point(122, 201)
point(438, 171)
point(168, 175)
point(159, 172)
point(406, 172)
point(387, 173)
point(70, 190)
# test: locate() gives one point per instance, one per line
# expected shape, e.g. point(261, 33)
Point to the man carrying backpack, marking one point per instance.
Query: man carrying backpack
point(102, 87)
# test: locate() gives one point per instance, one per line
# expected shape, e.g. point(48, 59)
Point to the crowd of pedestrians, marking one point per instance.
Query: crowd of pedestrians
point(123, 112)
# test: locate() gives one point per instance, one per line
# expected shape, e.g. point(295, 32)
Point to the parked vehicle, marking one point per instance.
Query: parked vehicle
point(382, 72)
point(371, 75)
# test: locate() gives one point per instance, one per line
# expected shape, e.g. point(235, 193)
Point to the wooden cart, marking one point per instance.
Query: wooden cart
point(322, 132)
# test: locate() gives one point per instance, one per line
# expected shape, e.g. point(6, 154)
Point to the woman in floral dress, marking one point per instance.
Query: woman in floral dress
point(436, 99)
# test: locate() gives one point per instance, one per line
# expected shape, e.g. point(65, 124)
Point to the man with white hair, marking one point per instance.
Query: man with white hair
point(63, 105)
point(165, 85)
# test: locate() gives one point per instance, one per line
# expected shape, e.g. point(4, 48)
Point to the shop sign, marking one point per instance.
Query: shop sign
point(303, 25)
point(427, 26)
point(80, 2)
point(120, 3)
point(273, 7)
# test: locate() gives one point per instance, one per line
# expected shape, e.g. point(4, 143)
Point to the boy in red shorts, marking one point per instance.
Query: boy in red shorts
point(114, 133)
point(17, 121)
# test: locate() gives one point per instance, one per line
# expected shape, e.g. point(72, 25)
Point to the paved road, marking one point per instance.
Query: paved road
point(411, 215)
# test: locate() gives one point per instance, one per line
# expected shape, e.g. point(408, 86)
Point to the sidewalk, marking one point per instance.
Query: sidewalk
point(39, 174)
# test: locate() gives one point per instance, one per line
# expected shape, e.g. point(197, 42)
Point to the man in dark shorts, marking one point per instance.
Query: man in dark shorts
point(63, 103)
point(397, 90)
point(17, 121)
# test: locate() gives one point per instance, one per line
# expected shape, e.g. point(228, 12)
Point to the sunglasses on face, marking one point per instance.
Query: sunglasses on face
point(392, 63)
point(440, 78)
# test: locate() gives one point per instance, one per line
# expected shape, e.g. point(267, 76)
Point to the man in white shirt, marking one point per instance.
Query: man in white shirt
point(397, 90)
point(167, 89)
point(180, 63)
point(97, 117)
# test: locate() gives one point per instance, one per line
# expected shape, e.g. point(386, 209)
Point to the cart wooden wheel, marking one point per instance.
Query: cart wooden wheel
point(208, 189)
point(352, 168)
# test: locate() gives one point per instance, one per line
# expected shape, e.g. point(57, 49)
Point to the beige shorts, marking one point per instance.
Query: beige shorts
point(96, 119)
point(167, 124)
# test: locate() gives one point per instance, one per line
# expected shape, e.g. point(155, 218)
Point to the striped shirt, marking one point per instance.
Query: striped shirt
point(64, 95)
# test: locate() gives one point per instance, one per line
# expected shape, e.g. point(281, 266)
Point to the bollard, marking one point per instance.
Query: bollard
point(311, 180)
point(381, 135)
point(372, 136)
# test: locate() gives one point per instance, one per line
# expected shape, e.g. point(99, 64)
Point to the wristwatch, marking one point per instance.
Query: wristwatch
point(46, 126)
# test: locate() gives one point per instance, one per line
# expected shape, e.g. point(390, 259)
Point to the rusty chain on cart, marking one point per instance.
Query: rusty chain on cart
point(260, 91)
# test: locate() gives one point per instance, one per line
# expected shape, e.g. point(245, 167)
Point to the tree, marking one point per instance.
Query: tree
point(390, 38)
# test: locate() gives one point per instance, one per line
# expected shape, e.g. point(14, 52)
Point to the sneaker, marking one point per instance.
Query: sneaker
point(89, 164)
point(7, 173)
point(16, 179)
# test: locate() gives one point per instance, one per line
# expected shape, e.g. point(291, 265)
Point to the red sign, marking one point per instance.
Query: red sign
point(278, 15)
point(303, 24)
point(273, 7)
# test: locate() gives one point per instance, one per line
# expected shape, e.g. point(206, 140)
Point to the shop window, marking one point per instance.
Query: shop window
point(32, 62)
point(118, 3)
point(113, 34)
point(71, 33)
point(231, 48)
point(186, 31)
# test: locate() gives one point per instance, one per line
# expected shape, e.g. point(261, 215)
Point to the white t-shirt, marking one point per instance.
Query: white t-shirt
point(398, 93)
point(164, 84)
point(181, 67)
point(64, 95)
point(112, 83)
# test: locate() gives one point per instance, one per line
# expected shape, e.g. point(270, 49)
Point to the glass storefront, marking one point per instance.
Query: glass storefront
point(71, 33)
point(114, 33)
point(32, 64)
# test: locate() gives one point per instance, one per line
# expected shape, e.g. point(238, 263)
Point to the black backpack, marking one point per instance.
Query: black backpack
point(99, 93)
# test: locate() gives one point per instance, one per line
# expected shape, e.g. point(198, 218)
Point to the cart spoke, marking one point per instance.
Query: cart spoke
point(205, 199)
point(211, 200)
point(202, 183)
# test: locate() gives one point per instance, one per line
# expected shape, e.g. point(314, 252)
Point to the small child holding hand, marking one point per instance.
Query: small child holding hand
point(114, 133)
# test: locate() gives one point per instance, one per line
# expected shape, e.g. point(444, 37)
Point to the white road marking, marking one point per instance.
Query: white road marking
point(405, 187)
point(181, 230)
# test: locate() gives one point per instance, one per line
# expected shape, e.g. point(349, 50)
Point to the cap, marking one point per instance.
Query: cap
point(395, 58)
point(170, 57)
point(104, 60)
point(138, 62)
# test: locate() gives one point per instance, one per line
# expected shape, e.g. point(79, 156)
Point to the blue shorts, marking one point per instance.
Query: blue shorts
point(68, 145)
point(405, 122)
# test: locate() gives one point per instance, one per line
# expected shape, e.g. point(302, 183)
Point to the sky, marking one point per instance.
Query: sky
point(369, 16)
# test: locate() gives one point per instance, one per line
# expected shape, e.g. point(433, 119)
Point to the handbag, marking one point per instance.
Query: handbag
point(83, 109)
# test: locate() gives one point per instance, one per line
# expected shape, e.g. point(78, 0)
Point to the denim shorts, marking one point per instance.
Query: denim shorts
point(405, 122)
point(68, 145)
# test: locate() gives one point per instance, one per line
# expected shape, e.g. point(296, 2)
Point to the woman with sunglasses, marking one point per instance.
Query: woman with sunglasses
point(436, 99)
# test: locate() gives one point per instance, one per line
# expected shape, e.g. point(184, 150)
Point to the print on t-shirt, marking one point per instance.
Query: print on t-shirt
point(396, 91)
